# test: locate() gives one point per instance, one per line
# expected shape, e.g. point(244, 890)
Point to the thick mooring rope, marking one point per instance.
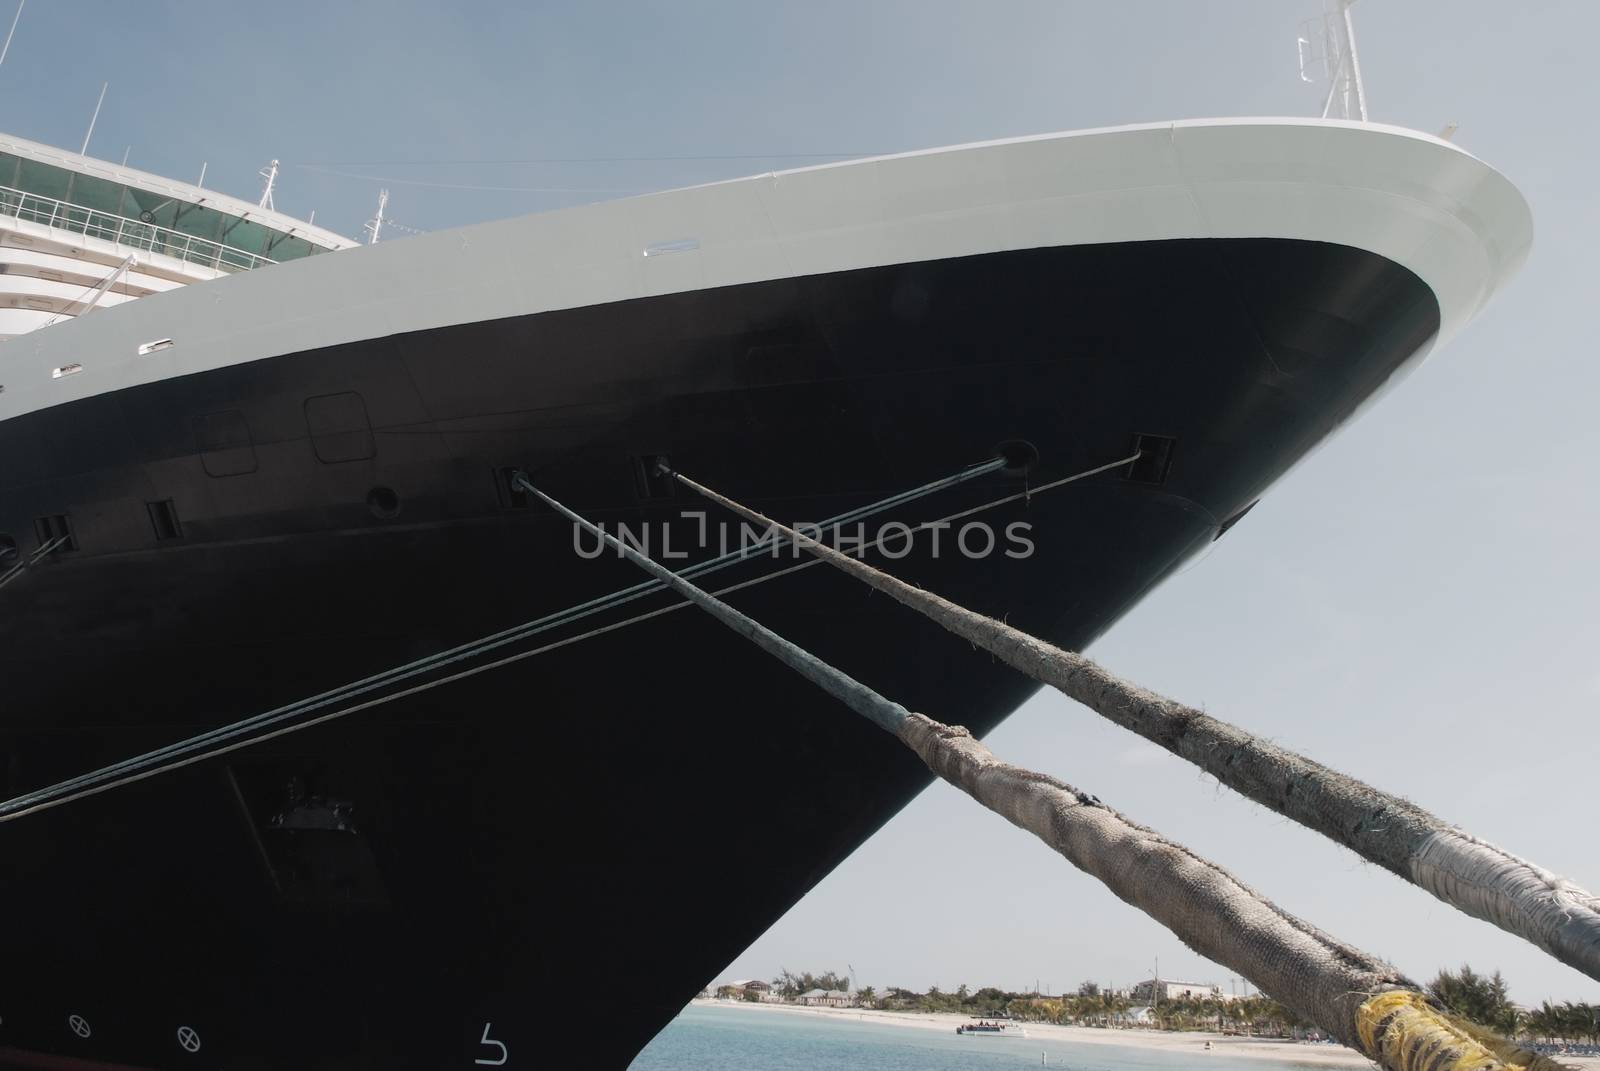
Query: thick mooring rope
point(1476, 877)
point(1352, 995)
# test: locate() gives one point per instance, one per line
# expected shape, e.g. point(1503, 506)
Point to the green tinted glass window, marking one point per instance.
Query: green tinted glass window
point(201, 222)
point(97, 193)
point(114, 199)
point(44, 180)
point(243, 234)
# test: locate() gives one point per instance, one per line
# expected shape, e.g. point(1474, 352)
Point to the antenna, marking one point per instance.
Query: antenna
point(201, 181)
point(375, 224)
point(14, 20)
point(85, 150)
point(270, 173)
point(1327, 47)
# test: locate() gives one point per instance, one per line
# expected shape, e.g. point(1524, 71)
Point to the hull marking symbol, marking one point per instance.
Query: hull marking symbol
point(188, 1039)
point(79, 1025)
point(487, 1040)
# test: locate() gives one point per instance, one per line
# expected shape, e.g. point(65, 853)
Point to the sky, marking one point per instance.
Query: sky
point(1414, 604)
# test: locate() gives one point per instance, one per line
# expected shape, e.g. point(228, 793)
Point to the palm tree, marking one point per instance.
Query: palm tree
point(1474, 877)
point(866, 996)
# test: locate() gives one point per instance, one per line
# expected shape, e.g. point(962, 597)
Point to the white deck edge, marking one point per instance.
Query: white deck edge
point(182, 191)
point(1418, 201)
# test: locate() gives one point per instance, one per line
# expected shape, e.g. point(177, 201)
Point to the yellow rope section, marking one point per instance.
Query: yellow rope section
point(1508, 1051)
point(1407, 1033)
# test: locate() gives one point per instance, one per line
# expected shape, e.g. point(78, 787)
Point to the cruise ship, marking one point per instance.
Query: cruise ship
point(244, 461)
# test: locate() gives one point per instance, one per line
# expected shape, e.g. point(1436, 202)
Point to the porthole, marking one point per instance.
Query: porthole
point(384, 503)
point(1021, 456)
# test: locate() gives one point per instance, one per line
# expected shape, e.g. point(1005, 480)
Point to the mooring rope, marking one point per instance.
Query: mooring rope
point(1354, 996)
point(33, 559)
point(1478, 878)
point(271, 724)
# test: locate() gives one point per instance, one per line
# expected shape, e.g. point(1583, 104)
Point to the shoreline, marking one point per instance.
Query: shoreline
point(1322, 1054)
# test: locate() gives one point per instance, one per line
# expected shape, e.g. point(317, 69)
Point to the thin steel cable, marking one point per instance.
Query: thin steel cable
point(34, 559)
point(42, 800)
point(197, 749)
point(193, 749)
point(495, 641)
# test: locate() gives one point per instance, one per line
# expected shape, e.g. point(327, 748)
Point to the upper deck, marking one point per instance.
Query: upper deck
point(78, 233)
point(201, 226)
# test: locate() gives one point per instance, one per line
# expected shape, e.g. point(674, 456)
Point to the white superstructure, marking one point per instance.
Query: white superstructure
point(78, 234)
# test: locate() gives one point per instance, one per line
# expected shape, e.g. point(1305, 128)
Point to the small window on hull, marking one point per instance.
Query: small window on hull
point(54, 527)
point(1154, 461)
point(224, 443)
point(650, 478)
point(164, 519)
point(339, 426)
point(506, 489)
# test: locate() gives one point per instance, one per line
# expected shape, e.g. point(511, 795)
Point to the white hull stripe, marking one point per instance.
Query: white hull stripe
point(1416, 200)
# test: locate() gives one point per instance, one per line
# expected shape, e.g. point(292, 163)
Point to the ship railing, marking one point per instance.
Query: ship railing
point(124, 231)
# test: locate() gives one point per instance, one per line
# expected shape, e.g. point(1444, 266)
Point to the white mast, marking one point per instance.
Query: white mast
point(270, 173)
point(376, 223)
point(1353, 90)
point(14, 20)
point(93, 118)
point(1330, 43)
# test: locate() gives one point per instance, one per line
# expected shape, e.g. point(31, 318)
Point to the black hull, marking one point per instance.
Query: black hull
point(537, 834)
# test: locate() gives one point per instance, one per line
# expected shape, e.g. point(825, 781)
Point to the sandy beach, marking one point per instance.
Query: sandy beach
point(1321, 1054)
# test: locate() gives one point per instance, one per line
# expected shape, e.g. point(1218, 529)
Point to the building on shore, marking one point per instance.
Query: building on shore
point(825, 998)
point(1155, 990)
point(751, 989)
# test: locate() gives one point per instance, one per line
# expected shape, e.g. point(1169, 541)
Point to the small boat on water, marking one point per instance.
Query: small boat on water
point(985, 1028)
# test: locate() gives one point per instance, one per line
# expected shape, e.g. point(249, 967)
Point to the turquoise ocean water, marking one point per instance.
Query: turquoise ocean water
point(733, 1039)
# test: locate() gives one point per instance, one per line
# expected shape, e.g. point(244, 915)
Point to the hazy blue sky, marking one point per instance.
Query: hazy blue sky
point(1414, 604)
